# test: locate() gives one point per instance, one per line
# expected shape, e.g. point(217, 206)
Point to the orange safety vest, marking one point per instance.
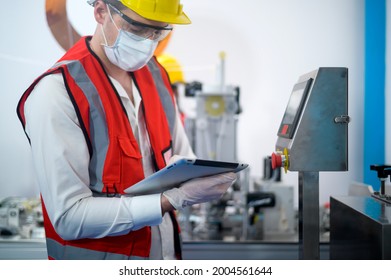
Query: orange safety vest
point(115, 157)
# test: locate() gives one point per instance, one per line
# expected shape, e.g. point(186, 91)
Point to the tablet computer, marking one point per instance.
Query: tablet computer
point(181, 171)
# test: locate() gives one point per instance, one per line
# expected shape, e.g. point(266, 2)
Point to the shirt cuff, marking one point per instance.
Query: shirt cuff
point(148, 209)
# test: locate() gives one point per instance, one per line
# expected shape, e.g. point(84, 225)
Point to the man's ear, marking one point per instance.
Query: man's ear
point(100, 11)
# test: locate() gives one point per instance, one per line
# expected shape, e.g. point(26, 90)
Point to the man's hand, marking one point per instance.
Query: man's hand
point(199, 190)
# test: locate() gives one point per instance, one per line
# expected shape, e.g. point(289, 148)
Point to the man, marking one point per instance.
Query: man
point(102, 119)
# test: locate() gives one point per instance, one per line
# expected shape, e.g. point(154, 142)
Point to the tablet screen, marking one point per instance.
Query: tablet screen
point(181, 171)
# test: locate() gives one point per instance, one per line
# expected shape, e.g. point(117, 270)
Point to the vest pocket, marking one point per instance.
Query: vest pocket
point(131, 170)
point(129, 147)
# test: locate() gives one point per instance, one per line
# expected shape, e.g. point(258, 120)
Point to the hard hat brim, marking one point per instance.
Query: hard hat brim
point(177, 19)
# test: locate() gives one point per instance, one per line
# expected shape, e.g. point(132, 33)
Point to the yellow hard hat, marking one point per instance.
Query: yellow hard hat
point(172, 67)
point(169, 11)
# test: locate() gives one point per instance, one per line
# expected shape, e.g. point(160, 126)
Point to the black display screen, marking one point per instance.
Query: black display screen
point(293, 109)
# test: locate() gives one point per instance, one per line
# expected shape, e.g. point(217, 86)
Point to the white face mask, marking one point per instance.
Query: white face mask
point(129, 51)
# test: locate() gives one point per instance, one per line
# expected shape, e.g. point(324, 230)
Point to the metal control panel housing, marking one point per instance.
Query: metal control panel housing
point(314, 130)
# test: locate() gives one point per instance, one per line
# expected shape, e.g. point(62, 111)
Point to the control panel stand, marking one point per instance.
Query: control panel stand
point(309, 215)
point(313, 137)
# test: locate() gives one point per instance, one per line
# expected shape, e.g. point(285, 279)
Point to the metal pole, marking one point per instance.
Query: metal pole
point(309, 215)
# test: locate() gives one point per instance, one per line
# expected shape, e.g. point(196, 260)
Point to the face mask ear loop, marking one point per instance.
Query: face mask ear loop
point(111, 17)
point(101, 26)
point(104, 36)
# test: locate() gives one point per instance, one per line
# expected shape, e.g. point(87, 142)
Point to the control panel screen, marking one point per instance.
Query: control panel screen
point(293, 109)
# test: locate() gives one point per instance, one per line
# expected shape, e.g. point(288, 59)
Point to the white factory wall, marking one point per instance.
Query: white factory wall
point(268, 45)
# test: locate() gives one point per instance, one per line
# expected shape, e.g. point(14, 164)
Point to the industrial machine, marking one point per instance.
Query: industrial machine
point(361, 224)
point(313, 137)
point(213, 135)
point(213, 128)
point(216, 122)
point(212, 132)
point(20, 218)
point(276, 216)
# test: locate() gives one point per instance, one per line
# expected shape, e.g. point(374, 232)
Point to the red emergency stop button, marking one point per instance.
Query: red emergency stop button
point(276, 160)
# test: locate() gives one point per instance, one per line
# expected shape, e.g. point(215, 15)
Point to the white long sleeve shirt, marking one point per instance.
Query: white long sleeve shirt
point(61, 159)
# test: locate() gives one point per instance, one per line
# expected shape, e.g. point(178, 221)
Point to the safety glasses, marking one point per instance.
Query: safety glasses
point(146, 31)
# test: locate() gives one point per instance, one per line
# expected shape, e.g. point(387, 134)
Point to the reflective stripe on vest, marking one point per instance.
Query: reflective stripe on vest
point(98, 125)
point(57, 251)
point(164, 95)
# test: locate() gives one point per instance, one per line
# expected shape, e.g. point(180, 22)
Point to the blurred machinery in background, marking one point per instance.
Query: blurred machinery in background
point(21, 218)
point(212, 131)
point(257, 210)
point(278, 218)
